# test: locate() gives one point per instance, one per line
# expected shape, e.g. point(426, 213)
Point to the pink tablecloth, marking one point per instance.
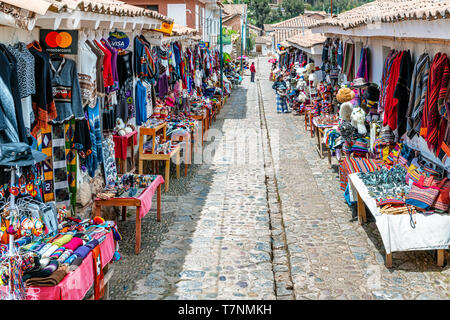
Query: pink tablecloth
point(147, 195)
point(121, 144)
point(77, 283)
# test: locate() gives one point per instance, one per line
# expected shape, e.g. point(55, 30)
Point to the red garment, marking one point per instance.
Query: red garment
point(390, 107)
point(252, 68)
point(107, 67)
point(121, 144)
point(433, 124)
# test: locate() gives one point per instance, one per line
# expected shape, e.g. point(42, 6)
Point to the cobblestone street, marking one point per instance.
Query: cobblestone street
point(264, 218)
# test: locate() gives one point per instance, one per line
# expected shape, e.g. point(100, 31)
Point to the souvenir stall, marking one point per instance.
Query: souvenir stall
point(188, 98)
point(67, 88)
point(393, 123)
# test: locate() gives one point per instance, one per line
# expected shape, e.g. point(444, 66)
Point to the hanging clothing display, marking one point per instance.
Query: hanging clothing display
point(438, 79)
point(66, 89)
point(43, 104)
point(418, 92)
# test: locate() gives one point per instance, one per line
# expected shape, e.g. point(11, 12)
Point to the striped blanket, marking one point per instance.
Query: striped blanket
point(353, 165)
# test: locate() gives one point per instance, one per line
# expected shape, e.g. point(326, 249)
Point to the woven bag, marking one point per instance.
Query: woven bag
point(421, 196)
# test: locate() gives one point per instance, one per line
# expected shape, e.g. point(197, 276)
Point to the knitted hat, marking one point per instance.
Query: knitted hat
point(372, 92)
point(345, 94)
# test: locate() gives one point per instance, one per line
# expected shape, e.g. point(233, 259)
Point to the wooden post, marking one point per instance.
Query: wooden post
point(124, 213)
point(178, 164)
point(329, 156)
point(158, 203)
point(138, 230)
point(389, 260)
point(440, 257)
point(167, 176)
point(361, 210)
point(141, 166)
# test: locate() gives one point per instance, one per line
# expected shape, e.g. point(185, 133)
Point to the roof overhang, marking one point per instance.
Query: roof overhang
point(426, 29)
point(78, 19)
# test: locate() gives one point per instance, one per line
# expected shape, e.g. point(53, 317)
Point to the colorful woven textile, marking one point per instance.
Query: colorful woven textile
point(45, 145)
point(438, 80)
point(60, 166)
point(71, 161)
point(353, 165)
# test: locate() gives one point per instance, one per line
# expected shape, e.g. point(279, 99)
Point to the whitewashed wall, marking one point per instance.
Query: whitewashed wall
point(379, 48)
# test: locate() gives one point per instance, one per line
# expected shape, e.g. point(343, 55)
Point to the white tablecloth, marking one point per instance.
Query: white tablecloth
point(432, 231)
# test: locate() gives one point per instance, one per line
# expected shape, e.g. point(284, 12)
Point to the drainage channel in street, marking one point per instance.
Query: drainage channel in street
point(280, 254)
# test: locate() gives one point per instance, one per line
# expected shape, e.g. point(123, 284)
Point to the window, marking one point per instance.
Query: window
point(153, 7)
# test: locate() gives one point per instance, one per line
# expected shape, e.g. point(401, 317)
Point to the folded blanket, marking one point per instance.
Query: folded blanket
point(49, 281)
point(63, 240)
point(45, 272)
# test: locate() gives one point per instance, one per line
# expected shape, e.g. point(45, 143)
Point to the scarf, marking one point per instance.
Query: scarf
point(390, 107)
point(402, 91)
point(437, 90)
point(417, 96)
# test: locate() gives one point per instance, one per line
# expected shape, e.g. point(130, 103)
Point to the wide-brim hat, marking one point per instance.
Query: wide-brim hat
point(359, 83)
point(345, 94)
point(372, 92)
point(19, 154)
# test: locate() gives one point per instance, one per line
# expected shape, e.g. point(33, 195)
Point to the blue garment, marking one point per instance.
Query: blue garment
point(95, 157)
point(140, 66)
point(8, 110)
point(340, 55)
point(141, 103)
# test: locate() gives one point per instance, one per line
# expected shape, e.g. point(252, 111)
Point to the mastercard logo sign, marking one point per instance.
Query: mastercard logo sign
point(56, 39)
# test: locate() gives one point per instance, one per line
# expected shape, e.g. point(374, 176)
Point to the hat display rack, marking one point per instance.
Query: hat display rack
point(12, 258)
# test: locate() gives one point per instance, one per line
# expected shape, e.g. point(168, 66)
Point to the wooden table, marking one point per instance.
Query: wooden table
point(187, 140)
point(309, 121)
point(319, 131)
point(175, 152)
point(204, 120)
point(129, 202)
point(122, 168)
point(151, 156)
point(364, 199)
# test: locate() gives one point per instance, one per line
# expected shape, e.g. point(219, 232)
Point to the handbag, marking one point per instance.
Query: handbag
point(442, 202)
point(421, 196)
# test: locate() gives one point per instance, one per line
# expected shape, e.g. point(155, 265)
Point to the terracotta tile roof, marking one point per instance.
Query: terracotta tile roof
point(291, 27)
point(389, 11)
point(179, 30)
point(110, 7)
point(307, 40)
point(19, 17)
point(36, 6)
point(264, 39)
point(296, 22)
point(268, 27)
point(231, 9)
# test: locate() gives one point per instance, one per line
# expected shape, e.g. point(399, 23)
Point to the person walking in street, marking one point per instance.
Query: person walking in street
point(280, 88)
point(252, 72)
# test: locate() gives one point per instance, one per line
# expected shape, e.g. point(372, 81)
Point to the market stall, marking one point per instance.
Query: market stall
point(79, 80)
point(379, 104)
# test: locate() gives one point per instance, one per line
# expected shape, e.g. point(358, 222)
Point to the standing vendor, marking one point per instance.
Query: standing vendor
point(280, 88)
